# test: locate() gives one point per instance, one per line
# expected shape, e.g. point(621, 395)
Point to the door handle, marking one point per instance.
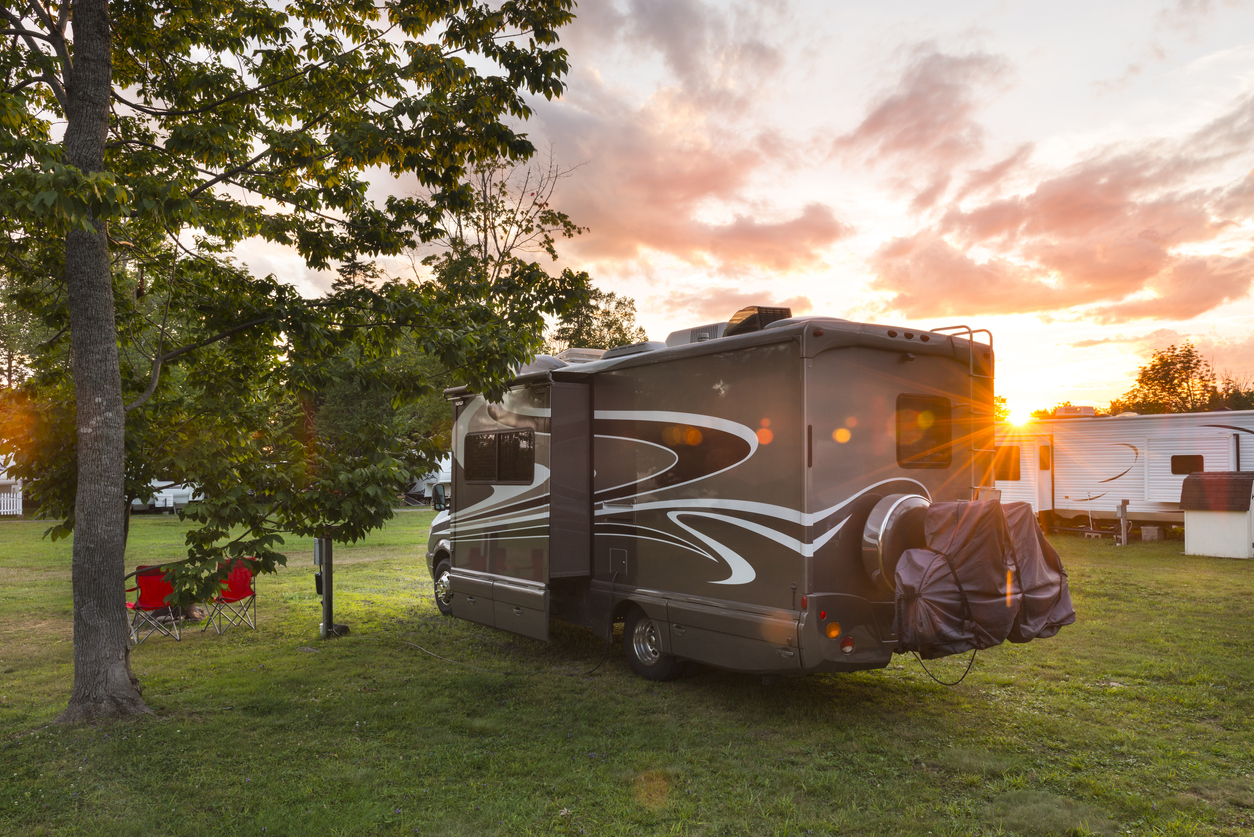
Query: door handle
point(470, 600)
point(518, 611)
point(680, 629)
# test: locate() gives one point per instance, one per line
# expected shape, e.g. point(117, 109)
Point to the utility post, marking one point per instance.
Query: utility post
point(324, 583)
point(1123, 522)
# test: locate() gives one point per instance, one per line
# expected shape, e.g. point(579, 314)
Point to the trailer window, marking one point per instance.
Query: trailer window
point(1187, 464)
point(1046, 454)
point(1006, 463)
point(924, 431)
point(501, 457)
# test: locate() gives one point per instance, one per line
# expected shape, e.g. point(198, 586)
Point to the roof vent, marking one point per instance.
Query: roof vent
point(700, 334)
point(634, 349)
point(754, 318)
point(580, 355)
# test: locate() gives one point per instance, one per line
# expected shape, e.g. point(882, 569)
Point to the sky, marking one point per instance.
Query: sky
point(1076, 177)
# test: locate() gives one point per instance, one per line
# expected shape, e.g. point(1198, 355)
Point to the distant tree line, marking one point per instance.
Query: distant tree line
point(1178, 380)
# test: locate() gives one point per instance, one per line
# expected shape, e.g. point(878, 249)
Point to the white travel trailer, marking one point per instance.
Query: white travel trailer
point(167, 497)
point(738, 496)
point(1072, 468)
point(423, 489)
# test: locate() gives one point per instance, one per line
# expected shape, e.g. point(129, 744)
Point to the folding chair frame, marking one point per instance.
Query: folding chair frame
point(237, 603)
point(150, 601)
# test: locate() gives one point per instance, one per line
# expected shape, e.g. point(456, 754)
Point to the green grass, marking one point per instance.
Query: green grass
point(1135, 720)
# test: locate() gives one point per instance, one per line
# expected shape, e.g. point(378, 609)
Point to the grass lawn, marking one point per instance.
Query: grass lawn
point(1135, 720)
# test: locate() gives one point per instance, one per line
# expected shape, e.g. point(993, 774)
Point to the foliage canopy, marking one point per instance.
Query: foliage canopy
point(140, 143)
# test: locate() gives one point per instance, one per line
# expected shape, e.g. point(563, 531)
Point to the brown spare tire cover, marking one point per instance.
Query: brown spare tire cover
point(962, 590)
point(1046, 596)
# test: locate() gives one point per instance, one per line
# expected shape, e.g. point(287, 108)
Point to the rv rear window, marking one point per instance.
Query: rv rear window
point(1006, 463)
point(1046, 455)
point(924, 428)
point(1190, 464)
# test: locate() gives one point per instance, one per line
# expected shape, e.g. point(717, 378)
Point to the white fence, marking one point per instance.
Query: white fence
point(11, 503)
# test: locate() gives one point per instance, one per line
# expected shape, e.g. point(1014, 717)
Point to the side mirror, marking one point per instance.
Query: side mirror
point(438, 501)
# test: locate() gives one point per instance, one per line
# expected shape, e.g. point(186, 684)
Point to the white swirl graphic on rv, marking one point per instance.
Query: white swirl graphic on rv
point(723, 510)
point(746, 434)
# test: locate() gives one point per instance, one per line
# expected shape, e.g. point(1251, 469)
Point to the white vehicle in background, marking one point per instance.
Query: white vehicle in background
point(1078, 469)
point(421, 491)
point(167, 498)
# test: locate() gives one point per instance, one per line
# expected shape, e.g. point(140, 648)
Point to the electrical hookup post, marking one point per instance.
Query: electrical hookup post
point(324, 583)
point(1122, 511)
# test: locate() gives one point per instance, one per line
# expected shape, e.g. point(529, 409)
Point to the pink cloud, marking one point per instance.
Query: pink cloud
point(663, 174)
point(927, 120)
point(1190, 288)
point(719, 303)
point(932, 278)
point(1116, 230)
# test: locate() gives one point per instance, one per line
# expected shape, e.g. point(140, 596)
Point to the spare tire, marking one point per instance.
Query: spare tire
point(893, 526)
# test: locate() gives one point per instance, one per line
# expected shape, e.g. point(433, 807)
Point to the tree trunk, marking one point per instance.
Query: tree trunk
point(103, 683)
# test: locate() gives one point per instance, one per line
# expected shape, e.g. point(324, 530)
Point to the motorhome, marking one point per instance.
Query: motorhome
point(727, 495)
point(1078, 469)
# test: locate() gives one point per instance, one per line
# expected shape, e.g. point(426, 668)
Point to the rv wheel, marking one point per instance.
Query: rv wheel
point(644, 649)
point(443, 587)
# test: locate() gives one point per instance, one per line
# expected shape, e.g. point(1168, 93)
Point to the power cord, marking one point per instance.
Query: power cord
point(970, 663)
point(609, 627)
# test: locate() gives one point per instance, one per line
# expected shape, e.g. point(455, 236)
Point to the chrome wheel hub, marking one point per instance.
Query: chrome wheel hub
point(444, 588)
point(645, 643)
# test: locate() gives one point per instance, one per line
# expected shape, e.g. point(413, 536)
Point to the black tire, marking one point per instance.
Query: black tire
point(440, 588)
point(644, 650)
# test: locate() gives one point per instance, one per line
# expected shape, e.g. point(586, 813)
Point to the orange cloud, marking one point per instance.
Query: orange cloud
point(717, 304)
point(932, 278)
point(1118, 230)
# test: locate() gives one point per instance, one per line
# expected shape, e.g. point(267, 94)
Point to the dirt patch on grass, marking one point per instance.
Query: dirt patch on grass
point(1043, 814)
point(651, 789)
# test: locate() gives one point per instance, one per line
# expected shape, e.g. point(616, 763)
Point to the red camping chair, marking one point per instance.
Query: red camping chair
point(236, 604)
point(151, 611)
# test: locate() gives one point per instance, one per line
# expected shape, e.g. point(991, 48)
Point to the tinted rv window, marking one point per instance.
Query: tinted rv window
point(501, 456)
point(481, 457)
point(1186, 464)
point(1006, 463)
point(924, 427)
point(1046, 456)
point(517, 456)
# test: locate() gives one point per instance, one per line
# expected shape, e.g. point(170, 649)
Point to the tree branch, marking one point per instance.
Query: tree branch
point(161, 359)
point(242, 93)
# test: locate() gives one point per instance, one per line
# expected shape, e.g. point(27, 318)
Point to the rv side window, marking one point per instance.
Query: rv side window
point(481, 457)
point(517, 456)
point(1046, 454)
point(1190, 464)
point(1006, 463)
point(501, 456)
point(923, 431)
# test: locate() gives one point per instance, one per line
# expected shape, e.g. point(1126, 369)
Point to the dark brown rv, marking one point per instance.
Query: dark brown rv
point(713, 493)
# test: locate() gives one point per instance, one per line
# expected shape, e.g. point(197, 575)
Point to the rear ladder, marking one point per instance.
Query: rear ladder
point(980, 391)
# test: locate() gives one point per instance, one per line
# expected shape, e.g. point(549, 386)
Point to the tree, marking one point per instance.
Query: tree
point(1001, 409)
point(20, 336)
point(202, 124)
point(1176, 380)
point(605, 321)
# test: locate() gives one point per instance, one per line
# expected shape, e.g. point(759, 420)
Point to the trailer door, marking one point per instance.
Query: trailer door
point(1044, 466)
